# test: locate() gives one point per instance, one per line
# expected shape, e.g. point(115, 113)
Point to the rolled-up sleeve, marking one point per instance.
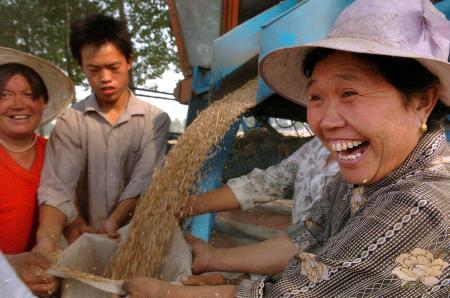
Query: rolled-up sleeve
point(261, 186)
point(153, 154)
point(63, 164)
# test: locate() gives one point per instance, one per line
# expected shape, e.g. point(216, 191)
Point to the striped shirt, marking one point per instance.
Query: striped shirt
point(102, 163)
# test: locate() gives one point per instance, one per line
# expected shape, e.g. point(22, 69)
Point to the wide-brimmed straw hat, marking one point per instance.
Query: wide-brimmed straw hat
point(60, 88)
point(412, 29)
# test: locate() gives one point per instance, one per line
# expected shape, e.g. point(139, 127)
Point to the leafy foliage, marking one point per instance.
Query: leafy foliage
point(41, 27)
point(154, 45)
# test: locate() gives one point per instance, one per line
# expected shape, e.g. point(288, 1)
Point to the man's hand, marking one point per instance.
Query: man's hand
point(30, 267)
point(110, 227)
point(202, 254)
point(121, 214)
point(75, 229)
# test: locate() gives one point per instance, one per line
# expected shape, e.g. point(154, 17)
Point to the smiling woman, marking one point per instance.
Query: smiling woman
point(375, 90)
point(355, 118)
point(29, 97)
point(22, 99)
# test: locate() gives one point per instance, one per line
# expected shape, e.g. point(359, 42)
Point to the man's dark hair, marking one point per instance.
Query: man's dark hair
point(97, 30)
point(38, 88)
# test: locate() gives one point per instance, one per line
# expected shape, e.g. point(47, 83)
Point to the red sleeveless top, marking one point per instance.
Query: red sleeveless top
point(18, 201)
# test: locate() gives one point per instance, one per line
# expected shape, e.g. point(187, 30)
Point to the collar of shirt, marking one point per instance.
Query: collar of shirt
point(323, 153)
point(430, 146)
point(134, 107)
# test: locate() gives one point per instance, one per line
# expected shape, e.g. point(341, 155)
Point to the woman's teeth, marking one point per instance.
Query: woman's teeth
point(351, 156)
point(345, 145)
point(19, 117)
point(342, 147)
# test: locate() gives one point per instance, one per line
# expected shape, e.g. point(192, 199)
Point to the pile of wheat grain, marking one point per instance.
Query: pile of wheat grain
point(77, 274)
point(154, 218)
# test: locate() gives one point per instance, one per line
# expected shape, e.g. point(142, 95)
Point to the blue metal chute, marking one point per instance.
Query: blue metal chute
point(241, 44)
point(308, 21)
point(201, 226)
point(444, 6)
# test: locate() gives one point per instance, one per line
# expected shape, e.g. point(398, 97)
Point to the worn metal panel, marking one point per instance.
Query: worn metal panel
point(200, 24)
point(308, 21)
point(179, 39)
point(241, 44)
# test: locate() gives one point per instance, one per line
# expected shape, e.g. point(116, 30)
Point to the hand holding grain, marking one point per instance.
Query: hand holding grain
point(31, 267)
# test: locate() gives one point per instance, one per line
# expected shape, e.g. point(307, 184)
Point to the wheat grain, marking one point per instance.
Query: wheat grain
point(154, 218)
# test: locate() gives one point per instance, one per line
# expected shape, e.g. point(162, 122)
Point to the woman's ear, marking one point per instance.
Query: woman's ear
point(424, 103)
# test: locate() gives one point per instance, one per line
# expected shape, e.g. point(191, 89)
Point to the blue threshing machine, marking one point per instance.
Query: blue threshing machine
point(220, 43)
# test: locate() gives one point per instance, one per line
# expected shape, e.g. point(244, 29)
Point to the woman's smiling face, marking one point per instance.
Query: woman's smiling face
point(362, 119)
point(20, 113)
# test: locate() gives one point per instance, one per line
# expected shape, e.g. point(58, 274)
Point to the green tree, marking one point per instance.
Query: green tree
point(41, 27)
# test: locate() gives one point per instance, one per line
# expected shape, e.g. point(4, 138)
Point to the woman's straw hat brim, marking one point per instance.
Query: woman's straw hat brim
point(60, 88)
point(282, 69)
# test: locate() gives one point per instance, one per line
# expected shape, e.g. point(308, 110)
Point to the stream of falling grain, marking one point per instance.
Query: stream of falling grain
point(154, 218)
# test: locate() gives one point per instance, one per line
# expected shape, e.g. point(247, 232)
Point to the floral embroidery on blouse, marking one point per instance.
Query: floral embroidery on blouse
point(419, 266)
point(358, 199)
point(314, 270)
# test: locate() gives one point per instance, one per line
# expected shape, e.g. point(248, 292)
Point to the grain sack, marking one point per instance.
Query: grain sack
point(91, 253)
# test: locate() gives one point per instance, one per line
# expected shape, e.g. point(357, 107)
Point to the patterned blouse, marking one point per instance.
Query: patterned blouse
point(302, 176)
point(388, 239)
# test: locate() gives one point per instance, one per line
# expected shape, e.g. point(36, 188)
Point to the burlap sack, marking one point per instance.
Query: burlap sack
point(92, 252)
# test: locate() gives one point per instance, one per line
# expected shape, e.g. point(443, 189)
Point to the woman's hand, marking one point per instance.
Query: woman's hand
point(205, 280)
point(31, 267)
point(147, 287)
point(202, 254)
point(46, 245)
point(75, 229)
